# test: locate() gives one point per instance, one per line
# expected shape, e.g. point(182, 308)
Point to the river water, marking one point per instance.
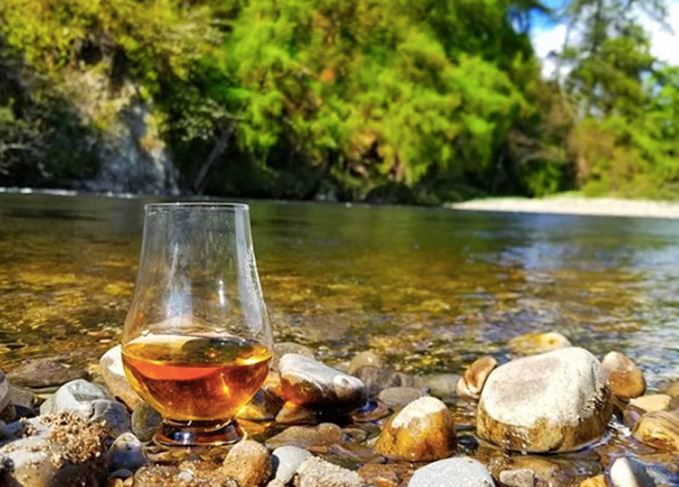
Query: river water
point(431, 289)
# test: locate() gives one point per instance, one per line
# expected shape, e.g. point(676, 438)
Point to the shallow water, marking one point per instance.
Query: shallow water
point(431, 289)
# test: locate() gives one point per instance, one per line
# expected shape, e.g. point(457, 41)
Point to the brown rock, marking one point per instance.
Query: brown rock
point(325, 434)
point(397, 397)
point(44, 372)
point(659, 429)
point(536, 342)
point(673, 389)
point(471, 383)
point(652, 403)
point(518, 477)
point(365, 359)
point(598, 481)
point(625, 378)
point(249, 463)
point(422, 431)
point(291, 413)
point(385, 475)
point(262, 407)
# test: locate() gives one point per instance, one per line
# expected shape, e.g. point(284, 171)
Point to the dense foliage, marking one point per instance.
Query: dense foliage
point(379, 99)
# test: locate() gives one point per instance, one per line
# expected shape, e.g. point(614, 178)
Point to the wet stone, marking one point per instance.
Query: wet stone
point(325, 434)
point(397, 397)
point(113, 374)
point(365, 359)
point(5, 391)
point(377, 379)
point(111, 414)
point(145, 421)
point(385, 475)
point(126, 453)
point(659, 429)
point(536, 342)
point(315, 472)
point(556, 401)
point(249, 463)
point(624, 376)
point(443, 386)
point(285, 461)
point(262, 407)
point(471, 383)
point(41, 373)
point(652, 403)
point(370, 412)
point(672, 389)
point(627, 472)
point(452, 472)
point(421, 431)
point(598, 481)
point(518, 477)
point(291, 413)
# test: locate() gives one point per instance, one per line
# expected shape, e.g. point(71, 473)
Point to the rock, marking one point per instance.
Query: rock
point(113, 374)
point(325, 434)
point(598, 481)
point(536, 342)
point(22, 397)
point(625, 378)
point(443, 386)
point(652, 403)
point(627, 472)
point(659, 429)
point(260, 408)
point(285, 462)
point(396, 397)
point(421, 431)
point(57, 449)
point(284, 348)
point(556, 401)
point(452, 472)
point(186, 475)
point(125, 453)
point(5, 392)
point(111, 414)
point(548, 473)
point(471, 383)
point(74, 396)
point(291, 413)
point(365, 359)
point(385, 475)
point(375, 379)
point(44, 372)
point(673, 389)
point(315, 472)
point(306, 382)
point(518, 477)
point(249, 463)
point(145, 422)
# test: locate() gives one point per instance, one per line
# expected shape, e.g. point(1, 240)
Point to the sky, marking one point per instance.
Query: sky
point(548, 36)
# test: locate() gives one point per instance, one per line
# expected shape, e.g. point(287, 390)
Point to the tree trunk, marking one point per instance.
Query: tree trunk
point(200, 181)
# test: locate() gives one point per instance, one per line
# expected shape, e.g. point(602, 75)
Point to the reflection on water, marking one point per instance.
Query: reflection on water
point(432, 289)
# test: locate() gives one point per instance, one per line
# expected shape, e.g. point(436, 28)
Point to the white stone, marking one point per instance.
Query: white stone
point(418, 409)
point(315, 472)
point(626, 472)
point(452, 472)
point(286, 460)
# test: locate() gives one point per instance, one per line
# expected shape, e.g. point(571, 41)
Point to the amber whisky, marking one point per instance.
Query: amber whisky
point(195, 378)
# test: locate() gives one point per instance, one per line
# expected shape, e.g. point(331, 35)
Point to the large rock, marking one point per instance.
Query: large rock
point(659, 429)
point(421, 431)
point(44, 372)
point(452, 472)
point(249, 463)
point(113, 373)
point(306, 381)
point(315, 472)
point(624, 376)
point(556, 401)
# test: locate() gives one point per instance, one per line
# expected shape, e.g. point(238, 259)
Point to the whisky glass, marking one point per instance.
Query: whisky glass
point(197, 340)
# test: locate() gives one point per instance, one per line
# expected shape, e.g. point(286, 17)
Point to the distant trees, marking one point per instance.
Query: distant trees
point(421, 102)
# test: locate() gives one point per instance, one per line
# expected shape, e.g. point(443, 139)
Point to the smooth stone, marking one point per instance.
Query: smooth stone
point(556, 401)
point(452, 472)
point(659, 429)
point(598, 481)
point(23, 397)
point(285, 461)
point(249, 463)
point(536, 342)
point(145, 421)
point(111, 414)
point(260, 408)
point(624, 376)
point(443, 386)
point(365, 359)
point(44, 372)
point(5, 391)
point(518, 477)
point(74, 396)
point(307, 382)
point(113, 374)
point(627, 472)
point(652, 403)
point(315, 472)
point(673, 389)
point(377, 379)
point(291, 413)
point(325, 434)
point(396, 397)
point(385, 475)
point(283, 348)
point(126, 452)
point(471, 383)
point(547, 472)
point(421, 431)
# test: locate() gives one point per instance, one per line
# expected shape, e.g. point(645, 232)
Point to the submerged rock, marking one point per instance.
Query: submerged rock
point(365, 359)
point(307, 382)
point(625, 378)
point(249, 463)
point(627, 472)
point(315, 472)
point(443, 386)
point(422, 431)
point(44, 372)
point(556, 401)
point(325, 434)
point(536, 342)
point(285, 461)
point(471, 383)
point(378, 378)
point(659, 429)
point(113, 373)
point(452, 472)
point(652, 403)
point(396, 397)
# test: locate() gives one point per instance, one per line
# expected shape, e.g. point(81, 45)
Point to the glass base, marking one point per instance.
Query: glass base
point(197, 433)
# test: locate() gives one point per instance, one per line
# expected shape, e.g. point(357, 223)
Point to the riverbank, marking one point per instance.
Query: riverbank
point(574, 205)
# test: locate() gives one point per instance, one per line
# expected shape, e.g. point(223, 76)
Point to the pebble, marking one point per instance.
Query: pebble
point(659, 429)
point(126, 453)
point(44, 372)
point(325, 434)
point(315, 472)
point(452, 472)
point(397, 397)
point(375, 379)
point(471, 383)
point(627, 472)
point(113, 374)
point(285, 461)
point(385, 475)
point(145, 421)
point(249, 463)
point(307, 382)
point(624, 376)
point(598, 481)
point(443, 386)
point(5, 391)
point(556, 401)
point(518, 477)
point(652, 403)
point(421, 431)
point(365, 359)
point(536, 342)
